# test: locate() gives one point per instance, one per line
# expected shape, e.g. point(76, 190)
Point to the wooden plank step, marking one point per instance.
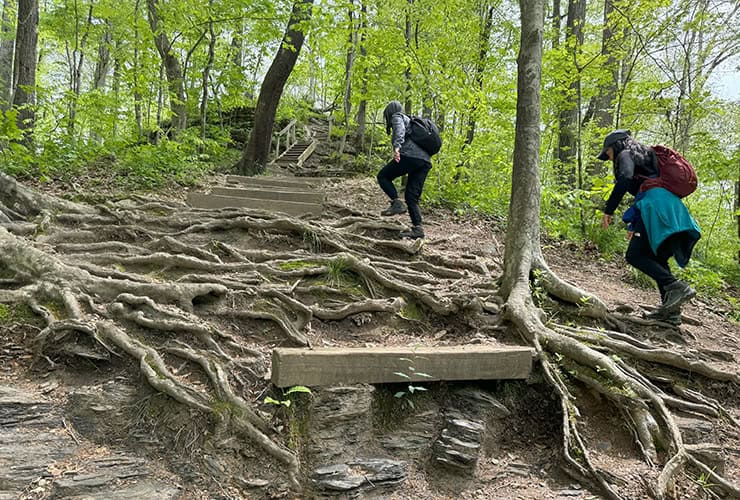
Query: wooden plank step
point(214, 201)
point(266, 180)
point(303, 196)
point(376, 365)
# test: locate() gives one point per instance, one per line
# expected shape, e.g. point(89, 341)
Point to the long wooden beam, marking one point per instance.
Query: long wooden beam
point(376, 365)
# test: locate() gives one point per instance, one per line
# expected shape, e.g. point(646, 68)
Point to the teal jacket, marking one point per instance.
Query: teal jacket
point(664, 214)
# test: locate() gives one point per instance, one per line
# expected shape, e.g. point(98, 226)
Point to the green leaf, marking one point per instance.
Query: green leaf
point(401, 374)
point(399, 394)
point(298, 388)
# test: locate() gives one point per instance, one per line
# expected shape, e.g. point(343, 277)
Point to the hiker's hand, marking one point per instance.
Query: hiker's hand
point(397, 155)
point(606, 219)
point(630, 234)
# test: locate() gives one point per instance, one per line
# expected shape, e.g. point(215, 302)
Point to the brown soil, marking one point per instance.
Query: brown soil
point(519, 461)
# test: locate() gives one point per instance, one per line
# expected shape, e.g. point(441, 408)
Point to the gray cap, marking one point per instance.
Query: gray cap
point(609, 141)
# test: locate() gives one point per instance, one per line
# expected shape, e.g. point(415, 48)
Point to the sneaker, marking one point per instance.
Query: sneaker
point(665, 316)
point(414, 233)
point(397, 207)
point(676, 294)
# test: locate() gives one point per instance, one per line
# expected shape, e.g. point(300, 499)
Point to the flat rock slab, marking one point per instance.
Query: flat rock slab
point(213, 201)
point(276, 181)
point(359, 475)
point(378, 365)
point(270, 193)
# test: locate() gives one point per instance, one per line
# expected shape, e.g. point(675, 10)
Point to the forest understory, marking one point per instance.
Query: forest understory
point(185, 305)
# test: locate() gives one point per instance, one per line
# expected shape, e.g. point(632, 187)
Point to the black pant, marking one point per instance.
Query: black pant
point(641, 256)
point(417, 170)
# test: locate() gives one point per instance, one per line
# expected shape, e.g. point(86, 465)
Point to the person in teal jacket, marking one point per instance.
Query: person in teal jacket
point(659, 224)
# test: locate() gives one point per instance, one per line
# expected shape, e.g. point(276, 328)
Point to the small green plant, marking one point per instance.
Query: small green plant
point(410, 388)
point(704, 480)
point(286, 401)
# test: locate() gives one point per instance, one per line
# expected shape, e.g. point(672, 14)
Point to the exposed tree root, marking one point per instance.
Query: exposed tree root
point(180, 291)
point(597, 358)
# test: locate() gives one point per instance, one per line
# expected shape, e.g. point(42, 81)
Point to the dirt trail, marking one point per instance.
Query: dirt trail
point(119, 437)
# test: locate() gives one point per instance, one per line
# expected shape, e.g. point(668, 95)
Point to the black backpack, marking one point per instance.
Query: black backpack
point(425, 134)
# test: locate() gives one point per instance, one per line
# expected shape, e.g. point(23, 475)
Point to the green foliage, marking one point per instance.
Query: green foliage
point(286, 399)
point(410, 374)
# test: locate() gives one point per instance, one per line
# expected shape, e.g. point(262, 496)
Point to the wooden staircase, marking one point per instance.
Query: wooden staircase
point(278, 191)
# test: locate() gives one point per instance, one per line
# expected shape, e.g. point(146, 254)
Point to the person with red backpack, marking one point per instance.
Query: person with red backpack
point(659, 224)
point(408, 158)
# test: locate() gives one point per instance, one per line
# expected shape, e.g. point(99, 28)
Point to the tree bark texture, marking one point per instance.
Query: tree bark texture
point(206, 75)
point(255, 156)
point(24, 79)
point(172, 67)
point(102, 65)
point(601, 105)
point(348, 66)
point(6, 57)
point(568, 118)
point(523, 233)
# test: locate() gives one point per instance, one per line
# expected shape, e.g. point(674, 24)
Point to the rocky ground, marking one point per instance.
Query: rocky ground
point(83, 427)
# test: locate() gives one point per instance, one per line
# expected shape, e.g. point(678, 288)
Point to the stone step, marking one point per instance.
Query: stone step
point(376, 365)
point(213, 201)
point(276, 181)
point(272, 194)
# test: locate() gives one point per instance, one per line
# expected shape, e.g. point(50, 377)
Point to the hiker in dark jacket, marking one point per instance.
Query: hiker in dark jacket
point(408, 158)
point(659, 224)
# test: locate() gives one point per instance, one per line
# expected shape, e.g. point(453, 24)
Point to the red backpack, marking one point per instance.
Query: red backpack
point(675, 173)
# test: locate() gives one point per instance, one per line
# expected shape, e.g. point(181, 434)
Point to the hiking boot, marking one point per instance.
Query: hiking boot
point(397, 207)
point(661, 314)
point(676, 294)
point(414, 233)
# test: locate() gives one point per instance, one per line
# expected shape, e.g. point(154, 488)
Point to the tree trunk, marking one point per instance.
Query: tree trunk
point(408, 105)
point(361, 117)
point(24, 78)
point(523, 228)
point(348, 65)
point(206, 74)
point(117, 63)
point(737, 209)
point(480, 66)
point(568, 117)
point(555, 24)
point(172, 67)
point(102, 65)
point(601, 106)
point(6, 57)
point(75, 59)
point(135, 71)
point(256, 154)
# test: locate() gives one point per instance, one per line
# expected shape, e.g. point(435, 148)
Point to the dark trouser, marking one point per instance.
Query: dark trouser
point(417, 170)
point(641, 256)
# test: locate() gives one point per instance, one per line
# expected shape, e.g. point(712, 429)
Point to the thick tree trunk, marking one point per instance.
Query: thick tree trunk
point(24, 78)
point(568, 117)
point(173, 70)
point(523, 228)
point(6, 56)
point(256, 154)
